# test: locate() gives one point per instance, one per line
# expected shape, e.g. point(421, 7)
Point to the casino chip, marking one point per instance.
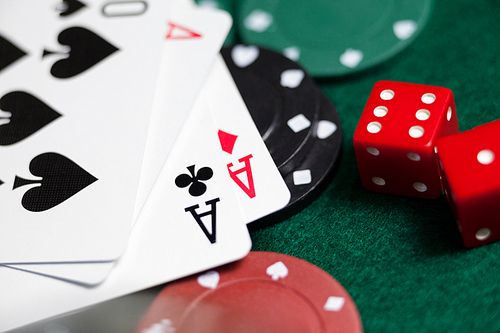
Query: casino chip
point(280, 96)
point(264, 292)
point(333, 38)
point(307, 178)
point(305, 143)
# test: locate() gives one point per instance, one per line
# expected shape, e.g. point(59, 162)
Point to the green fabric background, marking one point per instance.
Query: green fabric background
point(402, 259)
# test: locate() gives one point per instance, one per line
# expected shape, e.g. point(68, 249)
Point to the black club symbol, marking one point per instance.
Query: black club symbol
point(196, 187)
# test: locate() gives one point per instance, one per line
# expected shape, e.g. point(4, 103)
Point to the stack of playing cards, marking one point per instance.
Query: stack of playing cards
point(129, 158)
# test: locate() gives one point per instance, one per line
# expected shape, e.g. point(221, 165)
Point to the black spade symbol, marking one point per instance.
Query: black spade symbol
point(9, 53)
point(196, 187)
point(86, 50)
point(28, 115)
point(70, 7)
point(61, 179)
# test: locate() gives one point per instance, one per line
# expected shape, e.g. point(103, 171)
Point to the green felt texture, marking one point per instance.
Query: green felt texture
point(400, 258)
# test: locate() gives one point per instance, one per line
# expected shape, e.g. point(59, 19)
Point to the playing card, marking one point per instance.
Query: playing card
point(90, 273)
point(190, 222)
point(257, 183)
point(192, 41)
point(85, 79)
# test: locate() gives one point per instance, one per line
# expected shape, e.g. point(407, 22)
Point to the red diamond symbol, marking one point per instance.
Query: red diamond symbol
point(227, 141)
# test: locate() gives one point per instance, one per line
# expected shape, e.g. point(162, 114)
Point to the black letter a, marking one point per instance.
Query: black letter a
point(197, 217)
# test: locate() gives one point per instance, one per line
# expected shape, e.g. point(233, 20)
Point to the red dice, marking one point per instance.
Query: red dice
point(396, 135)
point(470, 163)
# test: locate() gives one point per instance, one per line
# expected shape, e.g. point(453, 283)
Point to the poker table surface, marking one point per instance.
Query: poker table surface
point(402, 259)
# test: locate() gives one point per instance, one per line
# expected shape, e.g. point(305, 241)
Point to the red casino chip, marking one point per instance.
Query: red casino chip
point(264, 292)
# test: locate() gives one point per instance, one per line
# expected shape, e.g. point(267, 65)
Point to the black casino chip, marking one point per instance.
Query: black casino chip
point(280, 95)
point(307, 158)
point(310, 176)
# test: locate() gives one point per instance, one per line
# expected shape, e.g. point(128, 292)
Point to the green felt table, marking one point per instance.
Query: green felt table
point(401, 258)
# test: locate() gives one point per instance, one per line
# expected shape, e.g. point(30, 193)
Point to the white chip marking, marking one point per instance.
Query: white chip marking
point(302, 177)
point(258, 20)
point(244, 56)
point(292, 78)
point(209, 280)
point(277, 270)
point(334, 303)
point(404, 29)
point(485, 156)
point(164, 326)
point(292, 53)
point(298, 123)
point(351, 58)
point(325, 129)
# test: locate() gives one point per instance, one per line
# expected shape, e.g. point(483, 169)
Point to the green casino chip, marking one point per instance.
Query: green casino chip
point(333, 37)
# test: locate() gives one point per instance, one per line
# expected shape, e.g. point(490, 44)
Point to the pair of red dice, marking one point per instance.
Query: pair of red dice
point(407, 142)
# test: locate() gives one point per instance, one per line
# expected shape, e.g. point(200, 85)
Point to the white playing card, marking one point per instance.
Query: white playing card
point(166, 242)
point(85, 273)
point(258, 185)
point(194, 38)
point(70, 186)
point(78, 272)
point(186, 62)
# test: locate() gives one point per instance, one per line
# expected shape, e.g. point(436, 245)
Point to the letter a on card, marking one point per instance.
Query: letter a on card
point(250, 189)
point(176, 31)
point(227, 142)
